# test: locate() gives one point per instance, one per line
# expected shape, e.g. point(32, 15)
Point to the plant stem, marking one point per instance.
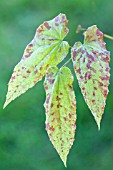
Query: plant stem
point(66, 62)
point(108, 36)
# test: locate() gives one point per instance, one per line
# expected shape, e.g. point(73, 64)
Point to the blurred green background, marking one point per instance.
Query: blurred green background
point(24, 144)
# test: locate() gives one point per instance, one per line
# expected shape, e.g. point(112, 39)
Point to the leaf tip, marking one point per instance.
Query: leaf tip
point(98, 121)
point(64, 160)
point(98, 124)
point(7, 101)
point(5, 104)
point(65, 164)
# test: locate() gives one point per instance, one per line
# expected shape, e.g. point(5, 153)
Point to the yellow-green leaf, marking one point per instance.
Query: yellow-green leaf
point(91, 64)
point(60, 107)
point(46, 49)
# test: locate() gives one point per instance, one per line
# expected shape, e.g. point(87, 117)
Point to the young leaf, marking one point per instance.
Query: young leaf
point(60, 107)
point(46, 49)
point(91, 64)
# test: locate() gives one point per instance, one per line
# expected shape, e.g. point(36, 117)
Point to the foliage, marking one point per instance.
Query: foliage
point(91, 65)
point(60, 106)
point(45, 50)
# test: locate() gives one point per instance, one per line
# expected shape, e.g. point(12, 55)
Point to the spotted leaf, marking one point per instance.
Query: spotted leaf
point(91, 64)
point(46, 49)
point(60, 107)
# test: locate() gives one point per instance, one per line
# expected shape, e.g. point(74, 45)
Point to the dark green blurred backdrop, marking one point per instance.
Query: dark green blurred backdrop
point(24, 144)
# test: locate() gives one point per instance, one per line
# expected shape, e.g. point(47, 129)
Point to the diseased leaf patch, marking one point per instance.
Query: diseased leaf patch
point(91, 64)
point(60, 107)
point(46, 49)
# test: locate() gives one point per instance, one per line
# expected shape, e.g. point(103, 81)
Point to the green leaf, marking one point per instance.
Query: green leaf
point(60, 107)
point(91, 64)
point(46, 49)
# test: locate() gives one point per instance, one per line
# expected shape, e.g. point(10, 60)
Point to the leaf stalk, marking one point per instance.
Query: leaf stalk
point(108, 36)
point(66, 62)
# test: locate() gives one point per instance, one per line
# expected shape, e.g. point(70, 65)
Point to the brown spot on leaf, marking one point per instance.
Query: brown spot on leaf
point(31, 45)
point(47, 25)
point(69, 86)
point(81, 77)
point(100, 84)
point(47, 100)
point(93, 101)
point(46, 87)
point(51, 105)
point(58, 106)
point(51, 81)
point(28, 71)
point(41, 68)
point(95, 88)
point(106, 59)
point(57, 98)
point(105, 93)
point(65, 118)
point(79, 71)
point(51, 128)
point(70, 116)
point(105, 78)
point(12, 78)
point(40, 29)
point(83, 60)
point(24, 77)
point(93, 93)
point(36, 71)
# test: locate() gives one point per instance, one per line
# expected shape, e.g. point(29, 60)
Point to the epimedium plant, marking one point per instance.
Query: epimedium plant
point(41, 57)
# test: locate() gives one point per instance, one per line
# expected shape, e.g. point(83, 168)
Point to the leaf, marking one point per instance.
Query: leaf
point(46, 49)
point(60, 107)
point(91, 64)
